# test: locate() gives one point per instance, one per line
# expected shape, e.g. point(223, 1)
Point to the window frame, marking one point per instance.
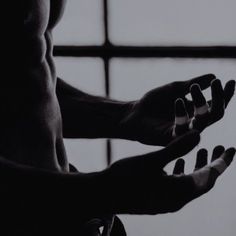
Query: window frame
point(107, 51)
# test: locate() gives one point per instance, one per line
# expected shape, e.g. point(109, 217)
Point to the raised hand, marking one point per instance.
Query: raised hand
point(205, 174)
point(139, 185)
point(165, 112)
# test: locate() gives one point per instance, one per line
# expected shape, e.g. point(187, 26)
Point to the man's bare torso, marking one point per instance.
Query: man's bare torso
point(32, 130)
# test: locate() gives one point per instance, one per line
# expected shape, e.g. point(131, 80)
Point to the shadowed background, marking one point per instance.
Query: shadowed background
point(158, 23)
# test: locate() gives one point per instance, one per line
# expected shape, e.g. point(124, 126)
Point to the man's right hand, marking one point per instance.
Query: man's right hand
point(139, 185)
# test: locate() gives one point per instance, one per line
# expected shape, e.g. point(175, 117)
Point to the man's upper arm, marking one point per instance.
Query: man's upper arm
point(57, 8)
point(36, 17)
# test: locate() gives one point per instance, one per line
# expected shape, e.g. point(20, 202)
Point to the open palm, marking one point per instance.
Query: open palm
point(152, 119)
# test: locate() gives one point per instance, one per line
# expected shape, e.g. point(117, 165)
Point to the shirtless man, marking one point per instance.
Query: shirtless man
point(34, 165)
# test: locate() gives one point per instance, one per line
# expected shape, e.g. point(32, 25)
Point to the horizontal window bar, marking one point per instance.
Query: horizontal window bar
point(108, 51)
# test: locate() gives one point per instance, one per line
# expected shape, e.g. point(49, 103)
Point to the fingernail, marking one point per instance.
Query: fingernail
point(233, 83)
point(195, 87)
point(231, 151)
point(181, 161)
point(229, 155)
point(180, 108)
point(203, 152)
point(211, 76)
point(216, 82)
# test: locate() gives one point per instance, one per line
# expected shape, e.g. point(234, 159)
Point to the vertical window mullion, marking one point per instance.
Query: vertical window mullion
point(107, 73)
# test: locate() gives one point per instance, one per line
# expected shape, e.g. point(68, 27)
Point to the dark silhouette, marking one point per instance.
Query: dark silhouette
point(44, 194)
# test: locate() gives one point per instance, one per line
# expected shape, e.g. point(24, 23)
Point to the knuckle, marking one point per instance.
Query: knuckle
point(176, 84)
point(211, 75)
point(219, 115)
point(177, 207)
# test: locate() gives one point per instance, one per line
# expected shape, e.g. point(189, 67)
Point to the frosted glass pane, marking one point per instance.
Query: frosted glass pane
point(149, 73)
point(167, 22)
point(81, 23)
point(87, 75)
point(130, 79)
point(86, 155)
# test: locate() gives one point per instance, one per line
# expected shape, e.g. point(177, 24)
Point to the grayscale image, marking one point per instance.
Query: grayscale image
point(122, 121)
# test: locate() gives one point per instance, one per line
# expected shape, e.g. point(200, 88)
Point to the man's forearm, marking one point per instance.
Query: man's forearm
point(41, 190)
point(87, 116)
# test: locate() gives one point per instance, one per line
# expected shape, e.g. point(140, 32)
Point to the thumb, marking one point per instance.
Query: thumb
point(179, 147)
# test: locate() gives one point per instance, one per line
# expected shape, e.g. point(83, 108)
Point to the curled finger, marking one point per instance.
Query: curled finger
point(179, 167)
point(181, 118)
point(218, 101)
point(201, 160)
point(199, 101)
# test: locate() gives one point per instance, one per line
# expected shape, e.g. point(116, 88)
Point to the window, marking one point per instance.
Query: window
point(152, 42)
point(182, 22)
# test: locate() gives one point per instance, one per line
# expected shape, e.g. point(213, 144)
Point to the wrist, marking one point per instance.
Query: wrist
point(118, 182)
point(119, 128)
point(90, 193)
point(111, 121)
point(126, 128)
point(107, 192)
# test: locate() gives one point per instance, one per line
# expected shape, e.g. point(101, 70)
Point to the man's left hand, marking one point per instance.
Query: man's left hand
point(165, 112)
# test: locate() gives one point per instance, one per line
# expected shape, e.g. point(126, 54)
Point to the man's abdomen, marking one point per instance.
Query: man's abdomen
point(31, 127)
point(33, 135)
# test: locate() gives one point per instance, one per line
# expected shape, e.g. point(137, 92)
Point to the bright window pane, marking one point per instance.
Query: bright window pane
point(81, 23)
point(130, 79)
point(86, 155)
point(87, 75)
point(167, 22)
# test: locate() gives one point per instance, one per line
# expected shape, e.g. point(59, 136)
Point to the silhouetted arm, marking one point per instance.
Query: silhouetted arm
point(135, 185)
point(157, 118)
point(88, 116)
point(141, 186)
point(40, 190)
